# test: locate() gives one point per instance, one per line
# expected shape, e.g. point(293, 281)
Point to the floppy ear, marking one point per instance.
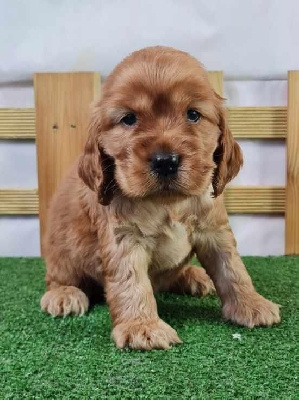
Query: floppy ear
point(227, 156)
point(96, 168)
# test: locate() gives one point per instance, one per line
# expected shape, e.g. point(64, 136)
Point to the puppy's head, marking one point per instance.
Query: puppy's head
point(159, 130)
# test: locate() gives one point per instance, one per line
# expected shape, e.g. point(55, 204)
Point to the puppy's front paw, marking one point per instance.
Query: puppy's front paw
point(145, 335)
point(64, 300)
point(251, 311)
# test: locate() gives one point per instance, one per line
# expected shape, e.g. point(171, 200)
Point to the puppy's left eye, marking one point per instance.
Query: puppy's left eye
point(193, 115)
point(129, 120)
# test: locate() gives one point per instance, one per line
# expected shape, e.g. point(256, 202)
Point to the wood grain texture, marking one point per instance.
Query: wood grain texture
point(62, 104)
point(292, 187)
point(238, 200)
point(255, 199)
point(17, 123)
point(18, 202)
point(245, 122)
point(258, 122)
point(216, 80)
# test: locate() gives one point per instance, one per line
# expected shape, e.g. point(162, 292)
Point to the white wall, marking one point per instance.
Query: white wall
point(254, 43)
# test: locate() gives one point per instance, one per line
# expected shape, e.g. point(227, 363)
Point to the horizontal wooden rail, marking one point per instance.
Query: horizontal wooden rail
point(258, 122)
point(18, 202)
point(244, 122)
point(238, 200)
point(17, 123)
point(255, 200)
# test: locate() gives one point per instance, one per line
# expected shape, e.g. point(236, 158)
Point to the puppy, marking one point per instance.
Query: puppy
point(144, 197)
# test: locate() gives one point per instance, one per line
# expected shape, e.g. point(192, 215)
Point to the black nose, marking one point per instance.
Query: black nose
point(165, 164)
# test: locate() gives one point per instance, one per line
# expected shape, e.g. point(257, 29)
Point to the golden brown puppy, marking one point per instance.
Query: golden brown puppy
point(145, 197)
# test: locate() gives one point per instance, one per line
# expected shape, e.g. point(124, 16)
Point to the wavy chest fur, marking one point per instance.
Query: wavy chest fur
point(166, 230)
point(173, 247)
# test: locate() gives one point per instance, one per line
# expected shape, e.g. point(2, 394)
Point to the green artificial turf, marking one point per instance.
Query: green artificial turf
point(74, 358)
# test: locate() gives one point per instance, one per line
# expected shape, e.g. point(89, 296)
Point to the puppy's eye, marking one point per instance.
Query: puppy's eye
point(193, 115)
point(129, 119)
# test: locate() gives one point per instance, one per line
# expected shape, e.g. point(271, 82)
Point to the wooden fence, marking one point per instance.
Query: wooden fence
point(61, 115)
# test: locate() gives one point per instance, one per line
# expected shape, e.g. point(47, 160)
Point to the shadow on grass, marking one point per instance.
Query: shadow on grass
point(180, 312)
point(178, 309)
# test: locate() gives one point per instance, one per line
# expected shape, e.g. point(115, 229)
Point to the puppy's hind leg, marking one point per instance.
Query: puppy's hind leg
point(63, 296)
point(188, 279)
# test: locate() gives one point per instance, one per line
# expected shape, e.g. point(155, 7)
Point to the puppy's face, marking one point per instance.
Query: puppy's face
point(159, 130)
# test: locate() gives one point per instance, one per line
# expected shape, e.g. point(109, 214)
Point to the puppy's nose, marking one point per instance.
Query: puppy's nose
point(165, 164)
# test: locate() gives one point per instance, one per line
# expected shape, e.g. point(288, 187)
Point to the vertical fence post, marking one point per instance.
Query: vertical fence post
point(292, 186)
point(216, 80)
point(62, 103)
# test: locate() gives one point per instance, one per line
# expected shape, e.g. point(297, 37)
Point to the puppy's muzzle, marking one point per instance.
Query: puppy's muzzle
point(165, 165)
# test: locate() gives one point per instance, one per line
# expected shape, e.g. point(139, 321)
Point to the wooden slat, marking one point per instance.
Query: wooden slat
point(258, 122)
point(244, 122)
point(18, 202)
point(292, 188)
point(216, 80)
point(255, 200)
point(62, 104)
point(17, 123)
point(238, 200)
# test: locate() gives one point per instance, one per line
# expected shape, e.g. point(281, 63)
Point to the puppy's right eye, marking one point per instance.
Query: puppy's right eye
point(129, 120)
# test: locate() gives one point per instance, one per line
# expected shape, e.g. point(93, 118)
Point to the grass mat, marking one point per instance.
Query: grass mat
point(74, 358)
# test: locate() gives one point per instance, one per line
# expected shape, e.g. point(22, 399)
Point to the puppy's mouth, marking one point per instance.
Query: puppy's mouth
point(167, 185)
point(167, 188)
